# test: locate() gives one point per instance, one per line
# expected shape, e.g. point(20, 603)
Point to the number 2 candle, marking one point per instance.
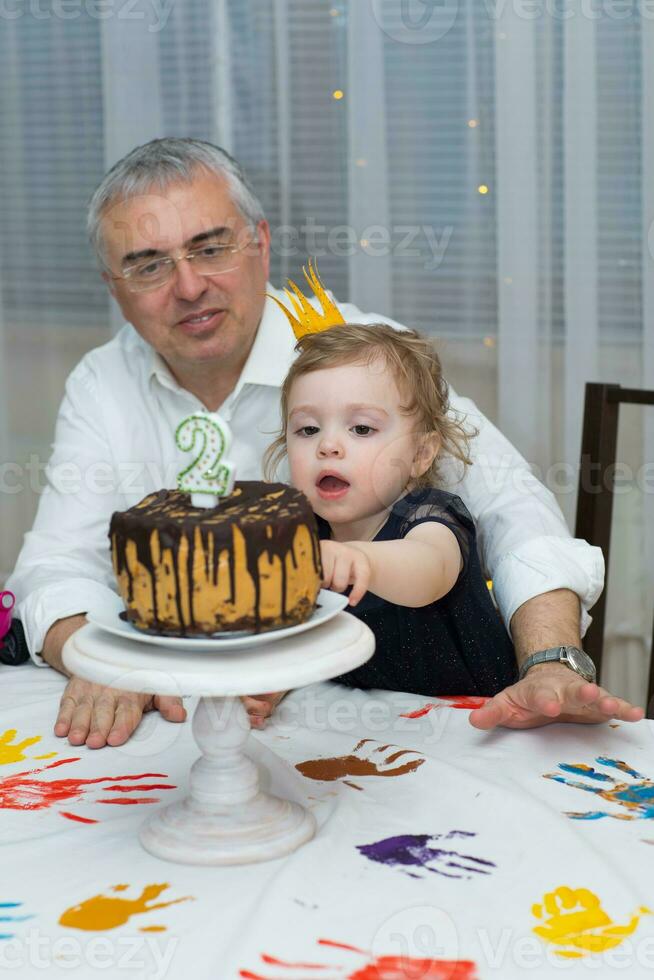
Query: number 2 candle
point(210, 475)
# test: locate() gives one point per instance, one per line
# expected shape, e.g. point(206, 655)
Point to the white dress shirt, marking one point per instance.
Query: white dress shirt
point(114, 443)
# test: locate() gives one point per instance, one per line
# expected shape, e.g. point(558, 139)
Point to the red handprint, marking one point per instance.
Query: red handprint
point(375, 968)
point(23, 792)
point(464, 702)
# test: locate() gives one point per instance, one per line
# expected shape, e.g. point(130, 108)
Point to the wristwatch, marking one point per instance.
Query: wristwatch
point(572, 657)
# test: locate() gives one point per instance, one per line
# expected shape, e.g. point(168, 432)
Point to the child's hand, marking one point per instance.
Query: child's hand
point(261, 706)
point(344, 565)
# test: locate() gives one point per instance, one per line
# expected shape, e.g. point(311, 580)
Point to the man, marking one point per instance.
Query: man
point(184, 249)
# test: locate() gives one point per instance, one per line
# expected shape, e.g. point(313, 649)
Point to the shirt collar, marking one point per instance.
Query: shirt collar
point(273, 350)
point(158, 369)
point(272, 353)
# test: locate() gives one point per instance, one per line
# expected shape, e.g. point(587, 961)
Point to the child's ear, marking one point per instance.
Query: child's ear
point(427, 450)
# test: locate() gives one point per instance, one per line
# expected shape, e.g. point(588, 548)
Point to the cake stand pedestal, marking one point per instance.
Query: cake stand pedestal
point(226, 818)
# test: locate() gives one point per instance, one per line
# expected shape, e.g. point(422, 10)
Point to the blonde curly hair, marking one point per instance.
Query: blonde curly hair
point(416, 367)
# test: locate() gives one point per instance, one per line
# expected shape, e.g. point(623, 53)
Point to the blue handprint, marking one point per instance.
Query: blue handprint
point(5, 918)
point(636, 798)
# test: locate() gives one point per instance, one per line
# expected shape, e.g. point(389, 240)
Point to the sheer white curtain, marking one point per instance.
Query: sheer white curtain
point(479, 174)
point(51, 308)
point(131, 93)
point(523, 402)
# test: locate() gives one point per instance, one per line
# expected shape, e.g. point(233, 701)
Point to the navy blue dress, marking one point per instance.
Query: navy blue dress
point(456, 645)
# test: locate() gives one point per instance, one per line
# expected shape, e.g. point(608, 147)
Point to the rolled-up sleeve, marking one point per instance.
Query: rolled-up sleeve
point(545, 564)
point(64, 567)
point(526, 546)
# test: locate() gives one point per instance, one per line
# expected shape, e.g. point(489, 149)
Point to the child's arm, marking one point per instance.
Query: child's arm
point(414, 571)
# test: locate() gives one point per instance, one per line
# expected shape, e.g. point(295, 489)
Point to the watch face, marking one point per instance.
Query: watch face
point(580, 662)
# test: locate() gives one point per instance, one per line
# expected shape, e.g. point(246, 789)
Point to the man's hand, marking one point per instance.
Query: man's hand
point(96, 716)
point(345, 565)
point(551, 693)
point(93, 714)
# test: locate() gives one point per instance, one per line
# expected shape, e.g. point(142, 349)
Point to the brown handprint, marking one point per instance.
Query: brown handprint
point(575, 921)
point(374, 760)
point(107, 912)
point(23, 792)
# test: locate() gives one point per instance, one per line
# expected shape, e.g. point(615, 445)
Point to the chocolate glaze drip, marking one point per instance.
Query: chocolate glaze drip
point(267, 514)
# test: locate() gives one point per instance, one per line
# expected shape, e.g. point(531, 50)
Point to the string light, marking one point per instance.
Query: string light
point(489, 341)
point(362, 162)
point(483, 189)
point(338, 94)
point(334, 12)
point(473, 123)
point(508, 280)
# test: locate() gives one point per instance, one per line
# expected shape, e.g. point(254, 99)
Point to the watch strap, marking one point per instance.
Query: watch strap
point(552, 655)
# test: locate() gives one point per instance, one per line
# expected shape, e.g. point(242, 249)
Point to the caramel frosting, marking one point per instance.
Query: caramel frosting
point(250, 563)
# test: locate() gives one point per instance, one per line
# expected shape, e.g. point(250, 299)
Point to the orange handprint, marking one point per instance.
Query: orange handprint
point(574, 921)
point(107, 912)
point(374, 760)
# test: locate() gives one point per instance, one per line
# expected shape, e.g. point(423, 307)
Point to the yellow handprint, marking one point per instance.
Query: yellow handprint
point(15, 752)
point(574, 920)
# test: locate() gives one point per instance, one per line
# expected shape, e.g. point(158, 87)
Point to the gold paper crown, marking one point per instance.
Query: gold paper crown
point(304, 317)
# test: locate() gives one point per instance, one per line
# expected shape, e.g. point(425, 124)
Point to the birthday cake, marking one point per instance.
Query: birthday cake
point(251, 563)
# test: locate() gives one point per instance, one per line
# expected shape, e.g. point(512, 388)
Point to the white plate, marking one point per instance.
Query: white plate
point(329, 605)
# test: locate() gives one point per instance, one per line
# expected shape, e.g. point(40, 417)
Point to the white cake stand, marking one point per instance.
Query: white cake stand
point(226, 818)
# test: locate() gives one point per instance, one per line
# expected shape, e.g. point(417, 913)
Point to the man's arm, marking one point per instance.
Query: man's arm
point(525, 544)
point(550, 692)
point(64, 568)
point(548, 620)
point(55, 639)
point(544, 582)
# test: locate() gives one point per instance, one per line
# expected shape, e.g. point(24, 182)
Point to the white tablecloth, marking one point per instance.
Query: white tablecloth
point(442, 852)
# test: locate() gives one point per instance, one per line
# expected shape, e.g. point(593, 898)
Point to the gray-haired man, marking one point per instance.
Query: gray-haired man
point(184, 248)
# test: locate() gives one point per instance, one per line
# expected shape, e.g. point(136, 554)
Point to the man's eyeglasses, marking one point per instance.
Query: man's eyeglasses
point(208, 259)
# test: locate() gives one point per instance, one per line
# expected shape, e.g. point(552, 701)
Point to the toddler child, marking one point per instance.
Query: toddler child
point(365, 421)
